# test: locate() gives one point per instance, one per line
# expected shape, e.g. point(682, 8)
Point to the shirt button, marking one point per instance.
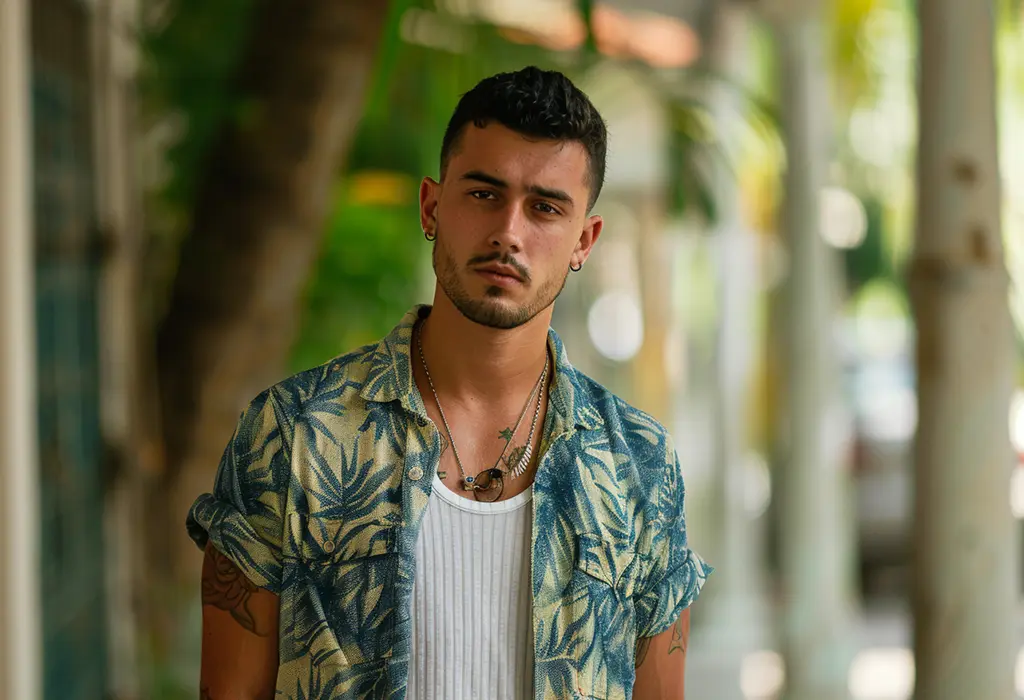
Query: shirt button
point(415, 473)
point(328, 546)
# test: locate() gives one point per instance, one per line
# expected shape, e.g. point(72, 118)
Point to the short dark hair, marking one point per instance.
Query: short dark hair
point(536, 103)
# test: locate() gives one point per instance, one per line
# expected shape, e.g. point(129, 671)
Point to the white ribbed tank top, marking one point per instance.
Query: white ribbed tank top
point(468, 553)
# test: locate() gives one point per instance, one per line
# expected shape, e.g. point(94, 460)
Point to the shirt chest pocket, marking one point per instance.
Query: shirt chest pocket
point(605, 577)
point(344, 574)
point(617, 566)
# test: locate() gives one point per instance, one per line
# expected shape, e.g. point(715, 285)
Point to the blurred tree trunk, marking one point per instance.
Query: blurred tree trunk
point(965, 555)
point(258, 221)
point(815, 552)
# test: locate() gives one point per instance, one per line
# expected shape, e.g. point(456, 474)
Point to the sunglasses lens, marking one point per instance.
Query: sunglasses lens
point(490, 484)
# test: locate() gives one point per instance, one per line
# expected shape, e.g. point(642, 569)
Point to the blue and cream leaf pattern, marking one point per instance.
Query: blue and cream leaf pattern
point(313, 500)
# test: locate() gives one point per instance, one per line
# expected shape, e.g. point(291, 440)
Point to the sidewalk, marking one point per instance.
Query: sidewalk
point(881, 670)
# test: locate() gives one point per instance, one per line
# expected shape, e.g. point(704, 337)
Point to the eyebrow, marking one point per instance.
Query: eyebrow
point(546, 192)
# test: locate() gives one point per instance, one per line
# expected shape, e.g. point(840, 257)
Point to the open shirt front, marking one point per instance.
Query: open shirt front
point(321, 491)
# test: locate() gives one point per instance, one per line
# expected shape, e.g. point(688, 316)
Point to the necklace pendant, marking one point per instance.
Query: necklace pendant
point(468, 484)
point(525, 461)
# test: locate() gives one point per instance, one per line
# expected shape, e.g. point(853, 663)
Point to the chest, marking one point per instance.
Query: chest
point(352, 564)
point(472, 444)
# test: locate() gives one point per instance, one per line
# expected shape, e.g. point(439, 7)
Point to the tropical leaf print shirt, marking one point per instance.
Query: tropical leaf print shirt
point(321, 491)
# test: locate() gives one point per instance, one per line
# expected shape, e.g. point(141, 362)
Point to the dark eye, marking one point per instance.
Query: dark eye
point(481, 194)
point(546, 208)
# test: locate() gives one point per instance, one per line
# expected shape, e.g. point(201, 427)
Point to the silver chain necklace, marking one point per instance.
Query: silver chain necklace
point(524, 461)
point(469, 483)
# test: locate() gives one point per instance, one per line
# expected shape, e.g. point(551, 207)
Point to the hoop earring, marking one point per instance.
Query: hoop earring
point(430, 235)
point(575, 269)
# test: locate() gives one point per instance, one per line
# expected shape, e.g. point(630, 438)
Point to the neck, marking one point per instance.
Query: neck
point(476, 364)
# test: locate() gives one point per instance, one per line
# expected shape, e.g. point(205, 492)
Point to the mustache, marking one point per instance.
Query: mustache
point(502, 259)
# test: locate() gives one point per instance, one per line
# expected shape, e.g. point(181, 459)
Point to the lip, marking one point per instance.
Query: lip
point(500, 274)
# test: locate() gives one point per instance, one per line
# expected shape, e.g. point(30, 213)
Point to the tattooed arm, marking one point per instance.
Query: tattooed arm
point(661, 662)
point(239, 655)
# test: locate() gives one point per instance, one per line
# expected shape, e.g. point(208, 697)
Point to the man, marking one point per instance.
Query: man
point(455, 512)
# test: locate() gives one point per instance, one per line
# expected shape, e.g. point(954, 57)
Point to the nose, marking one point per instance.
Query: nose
point(508, 228)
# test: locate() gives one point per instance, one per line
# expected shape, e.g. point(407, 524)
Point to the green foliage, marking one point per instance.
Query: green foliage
point(869, 260)
point(1009, 39)
point(696, 145)
point(1009, 15)
point(586, 10)
point(189, 60)
point(854, 75)
point(692, 138)
point(367, 276)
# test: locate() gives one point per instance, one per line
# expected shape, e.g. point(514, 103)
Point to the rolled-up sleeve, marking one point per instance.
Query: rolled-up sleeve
point(675, 573)
point(243, 517)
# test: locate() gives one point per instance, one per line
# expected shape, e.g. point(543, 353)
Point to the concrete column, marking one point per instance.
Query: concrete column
point(736, 621)
point(20, 615)
point(653, 387)
point(115, 57)
point(965, 592)
point(813, 515)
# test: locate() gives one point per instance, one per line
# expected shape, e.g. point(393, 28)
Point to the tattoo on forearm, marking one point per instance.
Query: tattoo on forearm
point(228, 589)
point(642, 645)
point(680, 634)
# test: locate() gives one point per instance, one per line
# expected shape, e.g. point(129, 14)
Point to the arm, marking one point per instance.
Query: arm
point(661, 662)
point(673, 582)
point(240, 626)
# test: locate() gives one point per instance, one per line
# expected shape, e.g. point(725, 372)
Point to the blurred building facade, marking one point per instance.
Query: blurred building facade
point(70, 221)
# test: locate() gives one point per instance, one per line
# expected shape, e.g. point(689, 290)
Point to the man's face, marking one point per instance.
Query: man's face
point(510, 216)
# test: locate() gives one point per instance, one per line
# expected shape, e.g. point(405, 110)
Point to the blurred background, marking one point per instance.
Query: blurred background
point(198, 198)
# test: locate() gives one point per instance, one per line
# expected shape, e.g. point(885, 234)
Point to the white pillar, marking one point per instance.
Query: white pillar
point(814, 529)
point(736, 622)
point(115, 60)
point(965, 593)
point(20, 614)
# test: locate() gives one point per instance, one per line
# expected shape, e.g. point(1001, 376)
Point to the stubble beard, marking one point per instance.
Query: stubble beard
point(488, 311)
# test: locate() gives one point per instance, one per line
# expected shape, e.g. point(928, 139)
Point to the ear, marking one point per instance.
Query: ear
point(588, 237)
point(430, 192)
